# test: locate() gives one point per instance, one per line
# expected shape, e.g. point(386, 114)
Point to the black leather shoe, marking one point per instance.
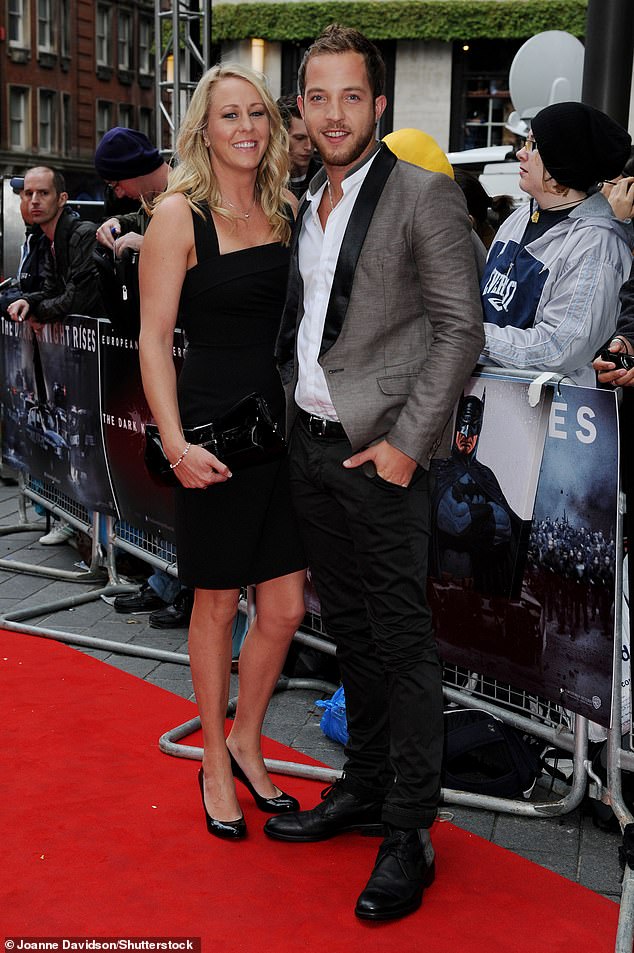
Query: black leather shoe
point(145, 600)
point(177, 615)
point(227, 830)
point(338, 813)
point(272, 805)
point(404, 867)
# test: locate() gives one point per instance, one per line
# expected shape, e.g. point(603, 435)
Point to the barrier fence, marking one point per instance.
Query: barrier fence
point(525, 575)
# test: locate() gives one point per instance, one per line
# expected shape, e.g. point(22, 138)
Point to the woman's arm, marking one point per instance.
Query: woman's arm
point(168, 251)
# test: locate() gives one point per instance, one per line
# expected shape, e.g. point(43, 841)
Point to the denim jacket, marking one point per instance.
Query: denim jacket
point(586, 258)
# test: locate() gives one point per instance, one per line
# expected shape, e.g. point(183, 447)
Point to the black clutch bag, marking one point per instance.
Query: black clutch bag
point(243, 437)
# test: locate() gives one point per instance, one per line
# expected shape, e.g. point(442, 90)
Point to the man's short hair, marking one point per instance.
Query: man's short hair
point(343, 39)
point(59, 182)
point(289, 109)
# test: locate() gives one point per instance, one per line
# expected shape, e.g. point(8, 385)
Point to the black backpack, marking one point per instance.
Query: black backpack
point(118, 280)
point(483, 755)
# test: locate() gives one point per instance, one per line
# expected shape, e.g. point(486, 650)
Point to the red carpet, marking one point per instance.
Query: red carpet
point(104, 836)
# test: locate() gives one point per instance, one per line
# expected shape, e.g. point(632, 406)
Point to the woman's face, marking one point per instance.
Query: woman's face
point(532, 172)
point(238, 126)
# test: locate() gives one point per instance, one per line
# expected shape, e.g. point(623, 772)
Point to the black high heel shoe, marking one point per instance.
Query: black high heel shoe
point(228, 830)
point(272, 805)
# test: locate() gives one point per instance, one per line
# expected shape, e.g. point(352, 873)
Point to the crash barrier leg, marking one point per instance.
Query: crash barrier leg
point(24, 524)
point(75, 515)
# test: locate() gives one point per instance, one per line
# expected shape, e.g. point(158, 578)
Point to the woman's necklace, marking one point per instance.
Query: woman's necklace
point(239, 211)
point(536, 213)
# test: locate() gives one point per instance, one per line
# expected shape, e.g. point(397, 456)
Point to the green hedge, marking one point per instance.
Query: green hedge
point(400, 19)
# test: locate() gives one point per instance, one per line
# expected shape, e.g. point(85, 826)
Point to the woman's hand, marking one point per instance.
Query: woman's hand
point(608, 372)
point(199, 469)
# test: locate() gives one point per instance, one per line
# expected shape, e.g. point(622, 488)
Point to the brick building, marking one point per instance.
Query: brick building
point(69, 70)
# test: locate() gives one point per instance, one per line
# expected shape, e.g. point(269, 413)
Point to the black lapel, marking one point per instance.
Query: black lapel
point(285, 344)
point(353, 239)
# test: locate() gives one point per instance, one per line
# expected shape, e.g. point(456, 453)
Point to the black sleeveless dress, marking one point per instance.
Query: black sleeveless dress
point(242, 531)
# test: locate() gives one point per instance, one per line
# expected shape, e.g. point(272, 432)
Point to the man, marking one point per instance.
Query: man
point(381, 329)
point(134, 169)
point(303, 161)
point(69, 285)
point(58, 277)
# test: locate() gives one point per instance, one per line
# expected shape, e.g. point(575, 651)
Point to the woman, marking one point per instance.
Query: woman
point(551, 283)
point(216, 254)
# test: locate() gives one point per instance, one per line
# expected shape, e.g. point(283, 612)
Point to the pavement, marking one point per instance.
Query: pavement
point(569, 844)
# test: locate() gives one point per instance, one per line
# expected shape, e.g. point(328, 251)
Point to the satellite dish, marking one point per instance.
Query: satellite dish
point(546, 69)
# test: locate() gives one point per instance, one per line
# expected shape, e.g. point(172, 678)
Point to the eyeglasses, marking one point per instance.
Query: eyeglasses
point(530, 145)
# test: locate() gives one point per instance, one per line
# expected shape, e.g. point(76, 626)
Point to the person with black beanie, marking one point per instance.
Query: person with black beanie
point(551, 284)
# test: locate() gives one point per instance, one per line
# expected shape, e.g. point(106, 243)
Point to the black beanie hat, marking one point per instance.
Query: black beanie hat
point(125, 154)
point(579, 145)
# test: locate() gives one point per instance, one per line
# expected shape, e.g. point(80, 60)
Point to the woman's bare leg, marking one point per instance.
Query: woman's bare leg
point(279, 611)
point(210, 655)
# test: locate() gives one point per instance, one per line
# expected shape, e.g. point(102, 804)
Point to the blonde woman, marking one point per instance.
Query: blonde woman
point(216, 253)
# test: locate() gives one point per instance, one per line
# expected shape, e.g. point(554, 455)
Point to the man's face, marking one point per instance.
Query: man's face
point(339, 109)
point(300, 148)
point(43, 203)
point(465, 444)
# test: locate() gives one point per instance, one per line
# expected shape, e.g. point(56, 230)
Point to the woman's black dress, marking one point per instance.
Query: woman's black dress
point(242, 531)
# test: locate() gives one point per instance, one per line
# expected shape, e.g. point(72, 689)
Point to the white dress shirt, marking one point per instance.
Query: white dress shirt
point(318, 255)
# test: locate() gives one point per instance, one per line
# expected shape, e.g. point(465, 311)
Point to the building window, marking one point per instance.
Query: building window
point(66, 127)
point(146, 122)
point(103, 35)
point(124, 41)
point(146, 39)
point(47, 139)
point(18, 117)
point(45, 35)
point(104, 118)
point(64, 27)
point(18, 11)
point(481, 101)
point(126, 115)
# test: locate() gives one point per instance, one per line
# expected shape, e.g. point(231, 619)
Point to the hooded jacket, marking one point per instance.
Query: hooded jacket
point(584, 259)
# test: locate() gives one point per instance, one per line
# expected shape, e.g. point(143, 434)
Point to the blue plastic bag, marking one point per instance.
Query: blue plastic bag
point(333, 721)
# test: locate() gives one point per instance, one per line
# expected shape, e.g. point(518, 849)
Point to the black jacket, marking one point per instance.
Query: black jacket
point(70, 279)
point(625, 323)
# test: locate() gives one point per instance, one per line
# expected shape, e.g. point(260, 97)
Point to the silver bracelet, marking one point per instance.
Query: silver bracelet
point(181, 458)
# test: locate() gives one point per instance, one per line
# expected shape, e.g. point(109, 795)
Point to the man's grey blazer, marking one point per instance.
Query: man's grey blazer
point(403, 329)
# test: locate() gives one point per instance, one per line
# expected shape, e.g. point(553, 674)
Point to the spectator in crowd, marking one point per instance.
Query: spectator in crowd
point(33, 253)
point(553, 274)
point(486, 213)
point(304, 162)
point(58, 277)
point(381, 328)
point(69, 285)
point(217, 251)
point(134, 171)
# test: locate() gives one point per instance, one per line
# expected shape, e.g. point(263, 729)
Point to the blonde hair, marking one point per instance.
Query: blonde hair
point(193, 176)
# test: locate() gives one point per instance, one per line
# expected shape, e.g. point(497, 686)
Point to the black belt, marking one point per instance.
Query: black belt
point(319, 426)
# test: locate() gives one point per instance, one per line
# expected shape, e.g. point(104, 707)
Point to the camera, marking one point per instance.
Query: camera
point(620, 360)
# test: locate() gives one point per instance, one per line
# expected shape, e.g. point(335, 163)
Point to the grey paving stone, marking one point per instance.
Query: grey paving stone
point(135, 666)
point(181, 687)
point(533, 834)
point(468, 819)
